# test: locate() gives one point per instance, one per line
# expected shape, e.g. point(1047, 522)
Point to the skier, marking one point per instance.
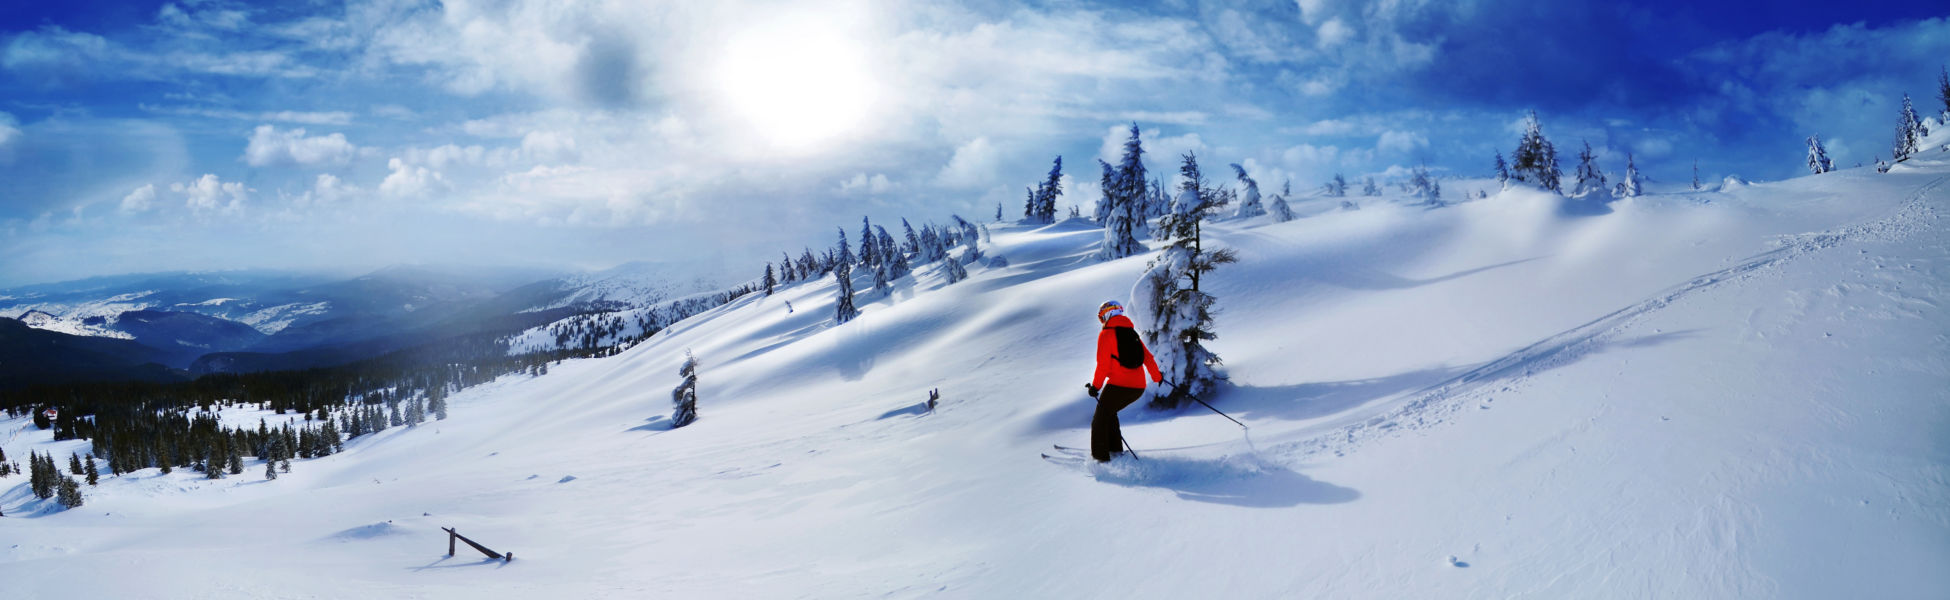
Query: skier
point(1118, 381)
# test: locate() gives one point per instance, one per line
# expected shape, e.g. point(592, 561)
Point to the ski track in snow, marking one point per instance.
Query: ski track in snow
point(1436, 404)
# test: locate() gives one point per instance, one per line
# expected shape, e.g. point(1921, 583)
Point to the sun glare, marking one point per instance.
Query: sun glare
point(798, 85)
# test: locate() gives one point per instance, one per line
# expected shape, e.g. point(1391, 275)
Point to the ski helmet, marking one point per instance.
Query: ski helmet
point(1109, 309)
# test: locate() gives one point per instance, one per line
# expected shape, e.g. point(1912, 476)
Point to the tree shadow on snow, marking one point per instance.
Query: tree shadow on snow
point(1232, 480)
point(656, 423)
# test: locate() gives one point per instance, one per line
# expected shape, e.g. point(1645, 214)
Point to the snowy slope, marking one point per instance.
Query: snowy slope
point(1724, 394)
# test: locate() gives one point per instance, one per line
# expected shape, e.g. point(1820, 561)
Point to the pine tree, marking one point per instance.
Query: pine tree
point(869, 247)
point(1909, 132)
point(1047, 192)
point(1181, 313)
point(1368, 188)
point(1125, 190)
point(1502, 171)
point(270, 469)
point(1632, 179)
point(1251, 207)
point(93, 475)
point(1817, 156)
point(998, 212)
point(235, 459)
point(1424, 186)
point(896, 259)
point(1281, 211)
point(769, 282)
point(913, 241)
point(683, 398)
point(1337, 187)
point(70, 493)
point(1696, 186)
point(74, 463)
point(212, 464)
point(1107, 200)
point(1536, 158)
point(1589, 178)
point(843, 309)
point(40, 475)
point(1943, 93)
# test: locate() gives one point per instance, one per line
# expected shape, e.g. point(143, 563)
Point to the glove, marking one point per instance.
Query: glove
point(1090, 388)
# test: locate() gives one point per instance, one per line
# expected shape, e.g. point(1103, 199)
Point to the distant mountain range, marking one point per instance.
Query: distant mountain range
point(180, 325)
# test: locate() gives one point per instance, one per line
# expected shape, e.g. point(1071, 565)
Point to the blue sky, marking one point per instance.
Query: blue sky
point(195, 135)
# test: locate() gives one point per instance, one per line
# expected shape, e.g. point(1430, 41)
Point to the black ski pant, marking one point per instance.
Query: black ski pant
point(1105, 436)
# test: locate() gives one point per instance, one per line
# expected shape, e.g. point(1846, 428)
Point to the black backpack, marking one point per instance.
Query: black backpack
point(1130, 351)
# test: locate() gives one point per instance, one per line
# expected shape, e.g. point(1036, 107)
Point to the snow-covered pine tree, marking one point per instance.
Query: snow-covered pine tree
point(998, 212)
point(1120, 234)
point(869, 247)
point(1502, 171)
point(1120, 230)
point(1281, 211)
point(890, 253)
point(1423, 186)
point(843, 309)
point(1132, 185)
point(1368, 188)
point(769, 282)
point(1943, 93)
point(1048, 191)
point(93, 475)
point(1818, 156)
point(1535, 160)
point(1180, 313)
point(684, 397)
point(74, 463)
point(913, 240)
point(1632, 180)
point(1251, 206)
point(1107, 184)
point(954, 270)
point(1337, 187)
point(1909, 132)
point(270, 469)
point(1589, 178)
point(930, 245)
point(1696, 186)
point(881, 278)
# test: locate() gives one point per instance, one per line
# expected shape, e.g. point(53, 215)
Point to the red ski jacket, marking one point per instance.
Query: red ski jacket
point(1107, 367)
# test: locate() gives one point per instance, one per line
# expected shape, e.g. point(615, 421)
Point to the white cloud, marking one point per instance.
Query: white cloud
point(268, 146)
point(975, 164)
point(862, 183)
point(9, 129)
point(209, 194)
point(327, 189)
point(139, 200)
point(409, 181)
point(1160, 152)
point(1334, 33)
point(281, 116)
point(548, 146)
point(1401, 141)
point(1309, 155)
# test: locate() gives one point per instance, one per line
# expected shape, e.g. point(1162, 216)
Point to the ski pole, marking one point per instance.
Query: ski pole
point(1174, 385)
point(1127, 446)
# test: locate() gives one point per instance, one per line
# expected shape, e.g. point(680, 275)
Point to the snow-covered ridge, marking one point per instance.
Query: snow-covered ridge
point(1683, 394)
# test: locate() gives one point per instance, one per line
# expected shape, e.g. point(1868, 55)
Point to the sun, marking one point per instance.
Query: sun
point(798, 83)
